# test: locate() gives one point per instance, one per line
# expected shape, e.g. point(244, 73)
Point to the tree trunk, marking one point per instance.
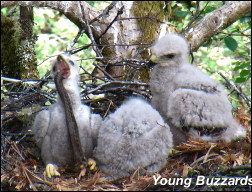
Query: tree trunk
point(27, 61)
point(133, 31)
point(17, 46)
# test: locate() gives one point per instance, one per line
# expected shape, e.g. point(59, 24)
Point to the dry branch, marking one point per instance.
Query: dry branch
point(70, 9)
point(217, 20)
point(240, 93)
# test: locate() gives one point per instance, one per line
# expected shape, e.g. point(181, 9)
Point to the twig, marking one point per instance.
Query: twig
point(119, 12)
point(105, 12)
point(117, 82)
point(44, 181)
point(12, 11)
point(96, 49)
point(236, 168)
point(197, 14)
point(75, 39)
point(105, 72)
point(202, 159)
point(76, 50)
point(31, 81)
point(232, 34)
point(93, 77)
point(146, 17)
point(116, 89)
point(15, 148)
point(28, 178)
point(243, 96)
point(110, 103)
point(17, 134)
point(207, 154)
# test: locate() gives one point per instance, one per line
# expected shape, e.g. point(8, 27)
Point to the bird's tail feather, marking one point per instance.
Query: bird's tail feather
point(234, 131)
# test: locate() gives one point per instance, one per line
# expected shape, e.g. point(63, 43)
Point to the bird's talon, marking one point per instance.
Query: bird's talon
point(92, 164)
point(51, 170)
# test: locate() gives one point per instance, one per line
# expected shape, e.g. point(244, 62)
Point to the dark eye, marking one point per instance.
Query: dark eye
point(169, 56)
point(54, 68)
point(71, 62)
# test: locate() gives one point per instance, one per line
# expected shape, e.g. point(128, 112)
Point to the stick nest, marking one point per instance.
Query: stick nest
point(22, 167)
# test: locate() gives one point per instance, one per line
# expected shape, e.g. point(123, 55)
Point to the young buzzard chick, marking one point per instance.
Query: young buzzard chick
point(134, 136)
point(190, 101)
point(50, 128)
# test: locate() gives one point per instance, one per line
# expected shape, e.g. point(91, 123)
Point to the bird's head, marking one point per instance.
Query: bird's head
point(170, 50)
point(65, 66)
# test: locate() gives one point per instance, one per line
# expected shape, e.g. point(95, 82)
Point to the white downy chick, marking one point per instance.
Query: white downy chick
point(50, 129)
point(134, 136)
point(189, 100)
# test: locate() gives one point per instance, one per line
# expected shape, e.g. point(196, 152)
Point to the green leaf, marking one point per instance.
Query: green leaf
point(245, 73)
point(231, 43)
point(245, 19)
point(241, 66)
point(240, 80)
point(236, 63)
point(209, 9)
point(181, 14)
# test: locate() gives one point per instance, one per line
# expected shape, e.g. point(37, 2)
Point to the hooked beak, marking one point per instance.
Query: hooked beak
point(152, 61)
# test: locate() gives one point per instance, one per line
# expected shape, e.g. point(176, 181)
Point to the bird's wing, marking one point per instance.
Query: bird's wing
point(96, 122)
point(40, 126)
point(234, 131)
point(83, 118)
point(190, 77)
point(207, 112)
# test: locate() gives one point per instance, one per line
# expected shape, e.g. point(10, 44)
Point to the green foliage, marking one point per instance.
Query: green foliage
point(99, 4)
point(231, 43)
point(181, 14)
point(244, 70)
point(183, 10)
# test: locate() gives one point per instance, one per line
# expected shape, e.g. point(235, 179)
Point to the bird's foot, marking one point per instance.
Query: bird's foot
point(51, 170)
point(92, 164)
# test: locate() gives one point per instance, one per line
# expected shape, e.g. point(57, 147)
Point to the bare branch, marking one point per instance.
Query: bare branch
point(106, 73)
point(105, 11)
point(240, 93)
point(197, 14)
point(119, 12)
point(90, 33)
point(117, 82)
point(216, 21)
point(70, 9)
point(75, 39)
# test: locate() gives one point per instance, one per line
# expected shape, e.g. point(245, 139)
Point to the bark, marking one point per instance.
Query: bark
point(216, 21)
point(27, 61)
point(26, 21)
point(70, 9)
point(130, 33)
